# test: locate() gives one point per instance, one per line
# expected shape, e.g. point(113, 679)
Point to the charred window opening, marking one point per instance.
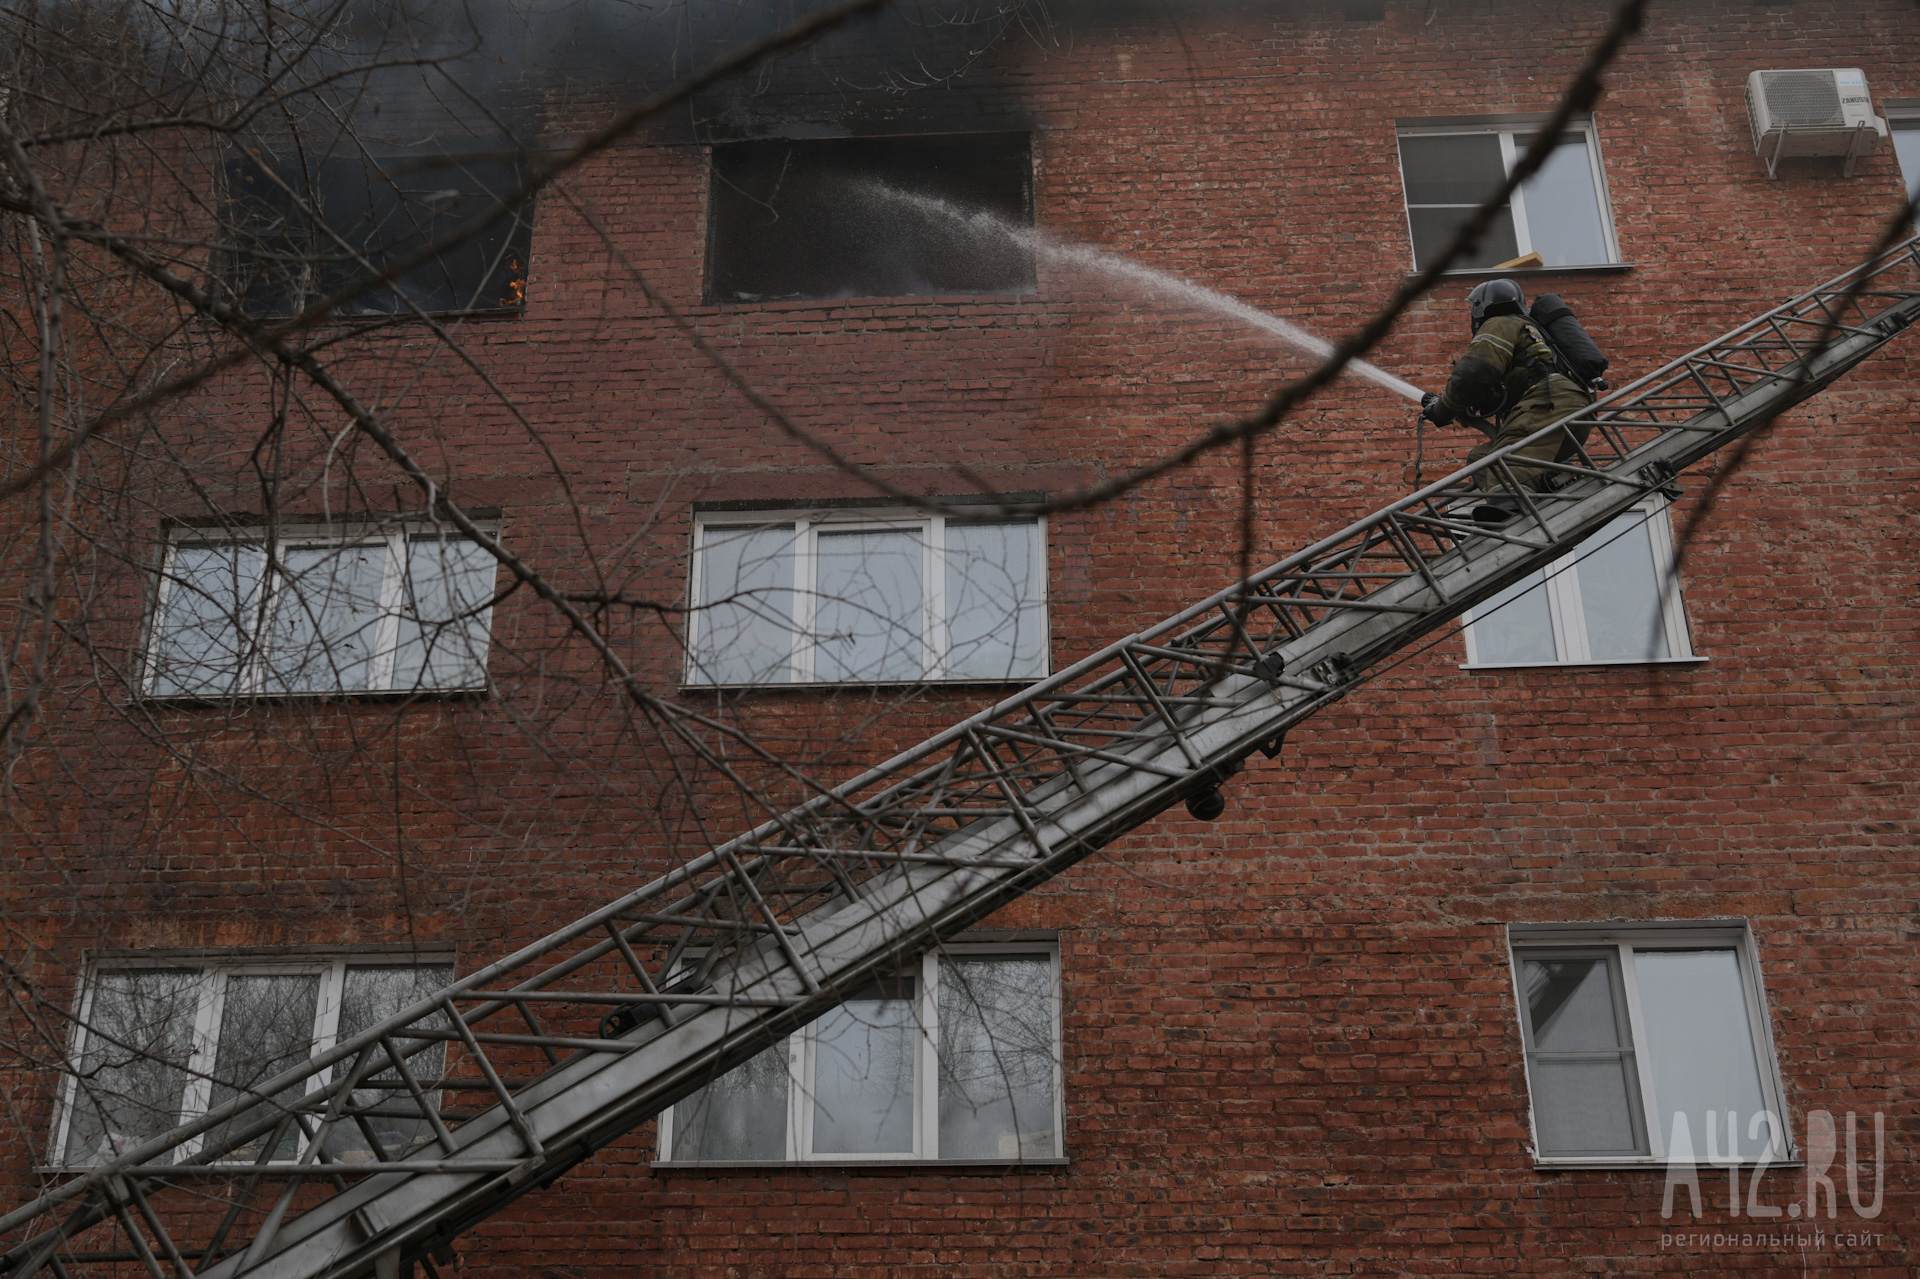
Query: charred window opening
point(300, 230)
point(871, 217)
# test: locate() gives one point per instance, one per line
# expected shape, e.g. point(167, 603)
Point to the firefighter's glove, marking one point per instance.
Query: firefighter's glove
point(1434, 411)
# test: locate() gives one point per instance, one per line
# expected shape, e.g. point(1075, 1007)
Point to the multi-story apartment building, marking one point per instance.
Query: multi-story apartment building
point(1626, 860)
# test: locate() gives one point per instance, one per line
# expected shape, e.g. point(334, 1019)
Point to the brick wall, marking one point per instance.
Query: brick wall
point(1291, 1041)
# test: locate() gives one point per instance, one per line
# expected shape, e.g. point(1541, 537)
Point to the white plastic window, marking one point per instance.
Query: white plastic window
point(1647, 1043)
point(1905, 123)
point(956, 1058)
point(1612, 600)
point(396, 610)
point(1561, 212)
point(162, 1043)
point(839, 598)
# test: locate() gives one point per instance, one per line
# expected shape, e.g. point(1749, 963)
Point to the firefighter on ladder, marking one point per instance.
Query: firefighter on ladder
point(1509, 376)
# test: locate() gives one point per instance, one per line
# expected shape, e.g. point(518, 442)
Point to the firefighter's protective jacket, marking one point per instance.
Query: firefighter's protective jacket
point(1508, 374)
point(1507, 364)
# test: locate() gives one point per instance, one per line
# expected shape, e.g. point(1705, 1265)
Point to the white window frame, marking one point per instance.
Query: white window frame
point(1568, 612)
point(386, 645)
point(1514, 134)
point(801, 1048)
point(1625, 938)
point(807, 527)
point(1903, 116)
point(209, 1006)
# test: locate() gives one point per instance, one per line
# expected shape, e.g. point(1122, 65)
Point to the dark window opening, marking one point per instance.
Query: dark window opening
point(871, 217)
point(300, 231)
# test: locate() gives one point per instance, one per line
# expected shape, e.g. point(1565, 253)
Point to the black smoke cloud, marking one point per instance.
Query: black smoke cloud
point(447, 74)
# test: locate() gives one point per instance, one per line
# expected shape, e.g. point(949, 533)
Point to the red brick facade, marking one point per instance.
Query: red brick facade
point(1290, 1037)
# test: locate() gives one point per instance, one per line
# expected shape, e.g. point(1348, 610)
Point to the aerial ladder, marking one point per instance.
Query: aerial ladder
point(577, 1038)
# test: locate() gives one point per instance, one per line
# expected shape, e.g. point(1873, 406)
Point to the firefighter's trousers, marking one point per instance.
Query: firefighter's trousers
point(1544, 404)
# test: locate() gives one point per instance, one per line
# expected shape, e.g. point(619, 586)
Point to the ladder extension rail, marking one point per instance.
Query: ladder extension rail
point(513, 1074)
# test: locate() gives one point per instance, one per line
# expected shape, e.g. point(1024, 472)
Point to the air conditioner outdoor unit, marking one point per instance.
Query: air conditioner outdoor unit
point(1804, 113)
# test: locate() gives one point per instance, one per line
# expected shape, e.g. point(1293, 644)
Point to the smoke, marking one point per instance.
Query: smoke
point(444, 74)
point(329, 77)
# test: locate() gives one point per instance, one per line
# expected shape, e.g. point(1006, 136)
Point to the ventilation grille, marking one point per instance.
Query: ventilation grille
point(1803, 99)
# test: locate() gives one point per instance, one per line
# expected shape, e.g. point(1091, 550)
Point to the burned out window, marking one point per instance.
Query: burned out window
point(300, 229)
point(871, 217)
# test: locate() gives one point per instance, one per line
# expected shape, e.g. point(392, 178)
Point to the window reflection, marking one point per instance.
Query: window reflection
point(957, 1058)
point(863, 1074)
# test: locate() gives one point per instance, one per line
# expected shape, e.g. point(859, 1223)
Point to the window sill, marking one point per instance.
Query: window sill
point(474, 313)
point(831, 686)
point(984, 1167)
point(362, 323)
point(1499, 273)
point(184, 700)
point(999, 297)
point(1581, 666)
point(1650, 1164)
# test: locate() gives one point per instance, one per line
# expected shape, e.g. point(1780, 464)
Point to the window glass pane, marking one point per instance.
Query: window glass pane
point(1460, 168)
point(1563, 208)
point(1620, 592)
point(368, 997)
point(741, 1115)
point(1699, 1041)
point(1515, 626)
point(1446, 177)
point(324, 618)
point(199, 643)
point(133, 1070)
point(1582, 1097)
point(1570, 1004)
point(266, 1027)
point(863, 1074)
point(1906, 145)
point(445, 603)
point(867, 609)
point(996, 613)
point(1434, 229)
point(745, 627)
point(996, 1058)
point(1582, 1107)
